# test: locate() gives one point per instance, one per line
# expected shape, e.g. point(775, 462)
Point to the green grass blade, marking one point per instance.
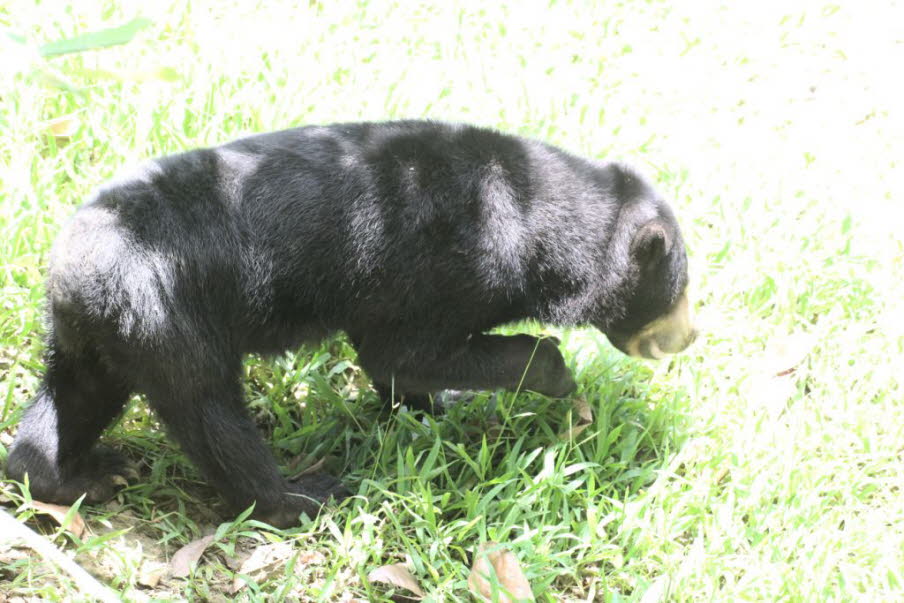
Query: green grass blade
point(113, 36)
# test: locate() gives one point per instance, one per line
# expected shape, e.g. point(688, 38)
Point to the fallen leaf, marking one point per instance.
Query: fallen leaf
point(396, 574)
point(63, 128)
point(150, 573)
point(774, 381)
point(784, 353)
point(185, 558)
point(263, 563)
point(309, 558)
point(585, 419)
point(8, 556)
point(75, 525)
point(235, 563)
point(774, 393)
point(583, 410)
point(497, 576)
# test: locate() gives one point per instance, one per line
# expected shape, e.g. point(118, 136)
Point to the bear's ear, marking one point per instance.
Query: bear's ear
point(651, 243)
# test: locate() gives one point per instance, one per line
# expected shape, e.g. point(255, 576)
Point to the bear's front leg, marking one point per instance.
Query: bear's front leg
point(481, 362)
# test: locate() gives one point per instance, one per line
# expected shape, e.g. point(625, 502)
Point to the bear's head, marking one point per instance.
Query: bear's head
point(653, 315)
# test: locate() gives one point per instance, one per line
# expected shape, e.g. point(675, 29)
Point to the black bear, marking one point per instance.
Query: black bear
point(413, 237)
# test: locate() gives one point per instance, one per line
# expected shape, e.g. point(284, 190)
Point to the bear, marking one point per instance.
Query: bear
point(415, 238)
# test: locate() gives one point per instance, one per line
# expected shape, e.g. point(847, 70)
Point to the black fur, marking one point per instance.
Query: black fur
point(415, 238)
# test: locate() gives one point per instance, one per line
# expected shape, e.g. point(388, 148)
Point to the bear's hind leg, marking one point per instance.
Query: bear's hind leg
point(56, 441)
point(203, 409)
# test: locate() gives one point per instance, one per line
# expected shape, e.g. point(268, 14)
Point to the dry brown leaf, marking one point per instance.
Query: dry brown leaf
point(8, 556)
point(774, 381)
point(497, 576)
point(185, 558)
point(396, 574)
point(585, 419)
point(76, 526)
point(783, 354)
point(150, 573)
point(263, 562)
point(235, 563)
point(63, 128)
point(583, 409)
point(771, 393)
point(309, 558)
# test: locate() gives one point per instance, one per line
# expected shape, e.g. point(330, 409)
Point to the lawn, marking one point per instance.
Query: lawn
point(765, 463)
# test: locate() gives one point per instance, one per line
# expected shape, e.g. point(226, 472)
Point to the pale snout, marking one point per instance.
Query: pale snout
point(669, 334)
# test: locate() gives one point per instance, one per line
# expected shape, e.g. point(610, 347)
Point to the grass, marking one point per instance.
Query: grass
point(763, 464)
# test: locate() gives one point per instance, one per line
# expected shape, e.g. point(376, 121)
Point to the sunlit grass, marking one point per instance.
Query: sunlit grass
point(778, 136)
